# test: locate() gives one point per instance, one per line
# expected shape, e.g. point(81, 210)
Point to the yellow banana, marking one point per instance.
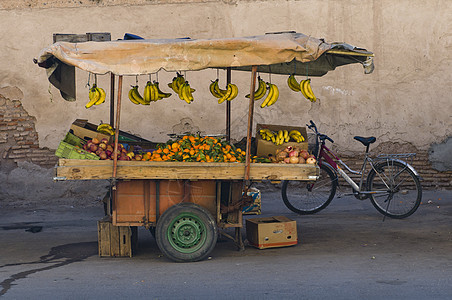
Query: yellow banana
point(309, 92)
point(189, 91)
point(275, 96)
point(269, 96)
point(107, 131)
point(101, 97)
point(136, 95)
point(294, 131)
point(220, 91)
point(161, 94)
point(131, 98)
point(154, 92)
point(286, 136)
point(269, 132)
point(184, 93)
point(226, 95)
point(293, 83)
point(214, 89)
point(261, 90)
point(93, 96)
point(103, 126)
point(234, 93)
point(303, 88)
point(147, 92)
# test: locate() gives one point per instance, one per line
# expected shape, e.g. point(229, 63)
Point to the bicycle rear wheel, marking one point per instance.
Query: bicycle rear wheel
point(307, 197)
point(398, 191)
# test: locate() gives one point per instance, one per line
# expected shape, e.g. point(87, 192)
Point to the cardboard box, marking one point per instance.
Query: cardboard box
point(266, 148)
point(271, 232)
point(255, 207)
point(87, 131)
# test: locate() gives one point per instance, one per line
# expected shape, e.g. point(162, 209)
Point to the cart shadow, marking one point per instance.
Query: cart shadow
point(58, 256)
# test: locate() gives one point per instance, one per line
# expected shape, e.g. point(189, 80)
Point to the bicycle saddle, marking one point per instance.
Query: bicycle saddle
point(366, 140)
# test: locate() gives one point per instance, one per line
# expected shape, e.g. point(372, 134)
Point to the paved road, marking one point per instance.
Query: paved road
point(345, 252)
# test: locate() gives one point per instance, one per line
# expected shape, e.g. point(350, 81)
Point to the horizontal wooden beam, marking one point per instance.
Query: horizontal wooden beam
point(74, 169)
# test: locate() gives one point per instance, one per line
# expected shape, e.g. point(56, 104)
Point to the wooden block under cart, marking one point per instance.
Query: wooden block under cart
point(116, 241)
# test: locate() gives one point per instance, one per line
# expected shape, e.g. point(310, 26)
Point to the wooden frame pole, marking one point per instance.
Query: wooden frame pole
point(118, 113)
point(112, 100)
point(228, 108)
point(249, 133)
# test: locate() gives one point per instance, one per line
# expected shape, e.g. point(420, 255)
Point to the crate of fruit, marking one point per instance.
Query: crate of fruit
point(66, 150)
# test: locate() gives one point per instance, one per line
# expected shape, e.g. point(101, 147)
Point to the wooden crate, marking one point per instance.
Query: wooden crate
point(115, 241)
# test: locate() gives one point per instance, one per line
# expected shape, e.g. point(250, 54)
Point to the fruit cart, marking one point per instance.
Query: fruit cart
point(186, 204)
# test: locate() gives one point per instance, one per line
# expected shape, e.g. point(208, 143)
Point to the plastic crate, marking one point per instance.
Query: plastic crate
point(74, 140)
point(66, 150)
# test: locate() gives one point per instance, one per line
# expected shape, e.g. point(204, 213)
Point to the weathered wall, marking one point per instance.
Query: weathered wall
point(406, 100)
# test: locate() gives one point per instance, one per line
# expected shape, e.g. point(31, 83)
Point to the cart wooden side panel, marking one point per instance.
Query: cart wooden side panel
point(73, 169)
point(140, 202)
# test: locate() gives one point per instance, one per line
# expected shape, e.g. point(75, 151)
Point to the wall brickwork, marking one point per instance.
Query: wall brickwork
point(18, 137)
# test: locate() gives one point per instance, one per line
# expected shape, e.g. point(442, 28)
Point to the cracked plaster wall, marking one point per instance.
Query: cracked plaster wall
point(406, 100)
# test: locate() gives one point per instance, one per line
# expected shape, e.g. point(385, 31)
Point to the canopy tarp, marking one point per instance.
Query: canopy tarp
point(279, 53)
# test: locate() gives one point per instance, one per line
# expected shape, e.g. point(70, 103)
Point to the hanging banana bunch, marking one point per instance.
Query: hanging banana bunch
point(261, 89)
point(96, 94)
point(272, 96)
point(135, 97)
point(304, 87)
point(182, 88)
point(230, 93)
point(153, 93)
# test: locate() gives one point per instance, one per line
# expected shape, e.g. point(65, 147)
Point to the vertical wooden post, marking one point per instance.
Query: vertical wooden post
point(228, 108)
point(118, 113)
point(112, 100)
point(249, 133)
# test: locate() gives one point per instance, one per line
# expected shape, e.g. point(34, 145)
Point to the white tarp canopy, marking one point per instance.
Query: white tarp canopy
point(279, 53)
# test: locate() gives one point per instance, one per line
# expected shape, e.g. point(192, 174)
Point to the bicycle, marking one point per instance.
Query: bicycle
point(392, 184)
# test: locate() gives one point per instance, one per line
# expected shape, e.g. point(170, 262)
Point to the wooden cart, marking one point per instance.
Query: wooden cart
point(186, 204)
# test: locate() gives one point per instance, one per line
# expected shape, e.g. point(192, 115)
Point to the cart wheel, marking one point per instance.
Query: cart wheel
point(186, 232)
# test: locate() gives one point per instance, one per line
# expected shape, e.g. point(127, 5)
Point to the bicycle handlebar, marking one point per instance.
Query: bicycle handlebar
point(320, 135)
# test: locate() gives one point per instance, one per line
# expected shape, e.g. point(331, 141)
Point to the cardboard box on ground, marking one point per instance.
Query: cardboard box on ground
point(270, 232)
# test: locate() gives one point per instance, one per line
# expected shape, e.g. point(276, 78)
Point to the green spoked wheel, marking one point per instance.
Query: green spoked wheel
point(186, 232)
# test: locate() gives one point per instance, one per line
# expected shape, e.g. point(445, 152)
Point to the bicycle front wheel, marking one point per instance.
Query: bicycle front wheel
point(307, 197)
point(396, 190)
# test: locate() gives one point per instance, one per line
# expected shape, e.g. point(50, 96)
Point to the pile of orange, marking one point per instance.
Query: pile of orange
point(195, 148)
